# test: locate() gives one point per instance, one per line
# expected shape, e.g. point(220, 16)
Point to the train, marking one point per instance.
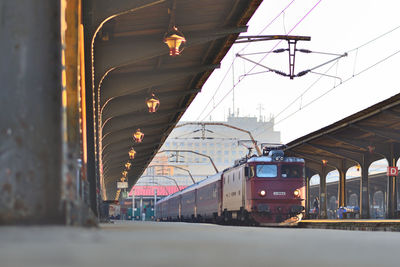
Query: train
point(257, 190)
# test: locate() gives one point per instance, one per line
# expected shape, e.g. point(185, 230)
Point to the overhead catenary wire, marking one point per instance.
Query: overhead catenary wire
point(349, 51)
point(294, 27)
point(231, 65)
point(330, 90)
point(324, 74)
point(270, 23)
point(356, 49)
point(342, 82)
point(216, 91)
point(374, 39)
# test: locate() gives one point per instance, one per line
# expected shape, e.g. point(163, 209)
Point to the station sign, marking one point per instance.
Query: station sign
point(122, 185)
point(392, 171)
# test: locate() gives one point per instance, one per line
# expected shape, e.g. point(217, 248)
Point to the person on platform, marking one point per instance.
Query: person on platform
point(144, 214)
point(316, 206)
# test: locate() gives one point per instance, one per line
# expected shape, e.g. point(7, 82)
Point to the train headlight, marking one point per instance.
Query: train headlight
point(296, 193)
point(263, 193)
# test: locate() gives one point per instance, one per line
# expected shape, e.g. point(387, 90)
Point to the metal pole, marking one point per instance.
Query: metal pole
point(133, 204)
point(141, 207)
point(155, 202)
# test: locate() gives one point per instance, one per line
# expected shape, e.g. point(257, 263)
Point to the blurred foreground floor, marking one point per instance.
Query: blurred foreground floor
point(145, 244)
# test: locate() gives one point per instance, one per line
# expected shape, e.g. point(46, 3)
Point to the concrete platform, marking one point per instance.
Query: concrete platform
point(145, 244)
point(353, 224)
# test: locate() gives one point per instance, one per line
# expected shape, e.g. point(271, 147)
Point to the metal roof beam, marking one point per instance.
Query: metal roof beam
point(137, 102)
point(149, 138)
point(123, 148)
point(115, 85)
point(127, 51)
point(128, 121)
point(119, 135)
point(355, 143)
point(129, 130)
point(103, 10)
point(116, 138)
point(385, 134)
point(338, 152)
point(121, 158)
point(367, 146)
point(317, 160)
point(392, 112)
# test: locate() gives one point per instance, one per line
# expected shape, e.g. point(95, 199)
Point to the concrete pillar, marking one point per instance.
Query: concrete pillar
point(30, 121)
point(364, 188)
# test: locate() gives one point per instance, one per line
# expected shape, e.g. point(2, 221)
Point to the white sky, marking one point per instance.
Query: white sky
point(335, 27)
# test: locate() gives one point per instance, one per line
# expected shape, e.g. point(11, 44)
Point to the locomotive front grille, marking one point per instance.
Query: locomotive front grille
point(263, 208)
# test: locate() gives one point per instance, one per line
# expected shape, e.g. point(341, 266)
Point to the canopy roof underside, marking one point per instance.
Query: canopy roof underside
point(130, 61)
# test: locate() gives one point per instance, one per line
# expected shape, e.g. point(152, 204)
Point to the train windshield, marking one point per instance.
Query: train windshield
point(267, 171)
point(291, 171)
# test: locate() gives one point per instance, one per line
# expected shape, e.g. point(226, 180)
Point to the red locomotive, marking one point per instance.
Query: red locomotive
point(257, 190)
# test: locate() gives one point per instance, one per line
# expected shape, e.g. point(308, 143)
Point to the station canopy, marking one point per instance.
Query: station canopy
point(371, 134)
point(130, 61)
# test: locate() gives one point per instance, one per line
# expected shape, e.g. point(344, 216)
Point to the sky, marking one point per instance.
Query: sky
point(308, 103)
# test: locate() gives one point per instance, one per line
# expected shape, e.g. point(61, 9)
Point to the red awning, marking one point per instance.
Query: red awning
point(148, 190)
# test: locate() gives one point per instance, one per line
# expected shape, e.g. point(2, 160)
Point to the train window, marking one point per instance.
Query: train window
point(266, 171)
point(291, 171)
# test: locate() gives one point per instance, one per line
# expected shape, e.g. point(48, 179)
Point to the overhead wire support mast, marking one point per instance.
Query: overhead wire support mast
point(259, 38)
point(190, 151)
point(177, 167)
point(203, 124)
point(301, 73)
point(292, 41)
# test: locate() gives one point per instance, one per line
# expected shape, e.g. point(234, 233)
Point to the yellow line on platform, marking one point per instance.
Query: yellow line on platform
point(351, 221)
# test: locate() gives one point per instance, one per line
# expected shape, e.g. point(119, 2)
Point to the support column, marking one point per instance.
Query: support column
point(364, 188)
point(141, 208)
point(307, 206)
point(391, 199)
point(323, 194)
point(155, 202)
point(342, 185)
point(342, 189)
point(90, 105)
point(30, 121)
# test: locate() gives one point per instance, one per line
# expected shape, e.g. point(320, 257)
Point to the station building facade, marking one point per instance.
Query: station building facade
point(223, 144)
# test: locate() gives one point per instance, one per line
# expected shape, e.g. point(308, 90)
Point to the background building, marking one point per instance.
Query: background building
point(224, 145)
